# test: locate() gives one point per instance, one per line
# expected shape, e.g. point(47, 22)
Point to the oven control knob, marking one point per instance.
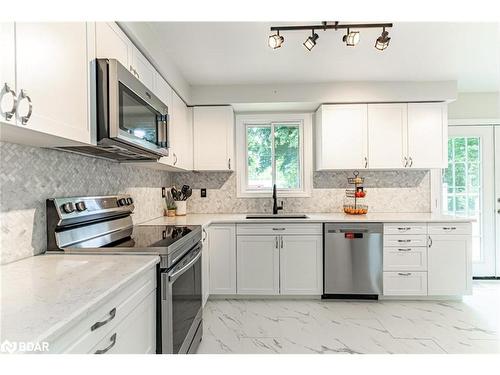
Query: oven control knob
point(129, 201)
point(122, 202)
point(80, 206)
point(68, 207)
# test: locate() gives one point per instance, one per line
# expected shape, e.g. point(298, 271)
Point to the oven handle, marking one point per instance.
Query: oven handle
point(176, 274)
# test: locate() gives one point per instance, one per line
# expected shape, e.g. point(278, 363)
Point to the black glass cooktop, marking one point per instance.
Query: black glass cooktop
point(153, 236)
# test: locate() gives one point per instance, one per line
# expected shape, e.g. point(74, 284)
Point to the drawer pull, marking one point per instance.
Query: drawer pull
point(404, 273)
point(278, 228)
point(404, 249)
point(112, 314)
point(404, 228)
point(449, 228)
point(405, 241)
point(113, 342)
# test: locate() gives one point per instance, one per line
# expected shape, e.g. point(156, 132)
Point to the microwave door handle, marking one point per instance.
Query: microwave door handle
point(176, 274)
point(167, 129)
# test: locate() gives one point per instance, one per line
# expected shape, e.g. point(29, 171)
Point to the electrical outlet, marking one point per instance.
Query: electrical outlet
point(163, 192)
point(203, 193)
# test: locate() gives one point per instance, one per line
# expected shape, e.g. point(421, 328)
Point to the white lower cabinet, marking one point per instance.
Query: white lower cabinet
point(405, 258)
point(405, 283)
point(301, 265)
point(222, 255)
point(258, 265)
point(449, 265)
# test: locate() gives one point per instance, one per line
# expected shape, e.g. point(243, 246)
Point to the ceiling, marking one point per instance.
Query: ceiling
point(222, 53)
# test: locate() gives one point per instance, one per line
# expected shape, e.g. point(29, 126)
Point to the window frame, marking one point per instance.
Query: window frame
point(304, 122)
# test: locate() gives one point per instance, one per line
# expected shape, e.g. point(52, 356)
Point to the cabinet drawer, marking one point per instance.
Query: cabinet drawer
point(410, 240)
point(405, 228)
point(405, 283)
point(405, 259)
point(450, 228)
point(82, 337)
point(279, 229)
point(136, 333)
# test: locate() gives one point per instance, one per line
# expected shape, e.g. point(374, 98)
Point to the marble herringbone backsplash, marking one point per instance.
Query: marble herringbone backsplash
point(30, 175)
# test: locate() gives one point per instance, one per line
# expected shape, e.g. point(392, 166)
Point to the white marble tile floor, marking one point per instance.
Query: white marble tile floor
point(373, 327)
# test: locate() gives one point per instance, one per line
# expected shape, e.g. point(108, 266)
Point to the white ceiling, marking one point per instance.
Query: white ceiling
point(213, 53)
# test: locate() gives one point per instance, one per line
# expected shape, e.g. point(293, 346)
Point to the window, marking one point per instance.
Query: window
point(274, 149)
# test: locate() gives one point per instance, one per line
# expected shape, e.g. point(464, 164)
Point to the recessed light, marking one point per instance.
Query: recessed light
point(275, 41)
point(383, 40)
point(311, 41)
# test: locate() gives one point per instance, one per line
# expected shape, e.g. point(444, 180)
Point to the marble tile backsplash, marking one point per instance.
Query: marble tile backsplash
point(389, 191)
point(30, 175)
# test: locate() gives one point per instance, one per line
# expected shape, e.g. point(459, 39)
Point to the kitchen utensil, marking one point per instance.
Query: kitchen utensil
point(184, 189)
point(175, 193)
point(188, 193)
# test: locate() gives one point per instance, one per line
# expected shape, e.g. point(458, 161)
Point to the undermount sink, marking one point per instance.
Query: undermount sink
point(280, 216)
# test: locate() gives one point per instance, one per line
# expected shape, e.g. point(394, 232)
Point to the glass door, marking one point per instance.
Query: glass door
point(468, 189)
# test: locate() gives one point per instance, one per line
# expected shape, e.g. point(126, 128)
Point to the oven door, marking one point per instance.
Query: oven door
point(182, 304)
point(136, 115)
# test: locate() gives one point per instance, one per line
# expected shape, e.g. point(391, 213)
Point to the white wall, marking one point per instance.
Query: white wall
point(477, 105)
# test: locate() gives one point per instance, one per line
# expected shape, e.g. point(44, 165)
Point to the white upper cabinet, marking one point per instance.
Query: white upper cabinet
point(8, 89)
point(163, 91)
point(341, 137)
point(427, 135)
point(181, 131)
point(52, 78)
point(213, 134)
point(143, 70)
point(112, 43)
point(387, 135)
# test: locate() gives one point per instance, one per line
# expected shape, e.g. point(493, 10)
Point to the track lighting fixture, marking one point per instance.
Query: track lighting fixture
point(275, 41)
point(351, 38)
point(311, 41)
point(383, 40)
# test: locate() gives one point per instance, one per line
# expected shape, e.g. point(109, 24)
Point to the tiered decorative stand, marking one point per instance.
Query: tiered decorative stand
point(355, 195)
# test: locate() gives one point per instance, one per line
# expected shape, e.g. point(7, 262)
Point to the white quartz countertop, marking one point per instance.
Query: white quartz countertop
point(42, 295)
point(207, 219)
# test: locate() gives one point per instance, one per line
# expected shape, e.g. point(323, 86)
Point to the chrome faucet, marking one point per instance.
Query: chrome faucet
point(276, 208)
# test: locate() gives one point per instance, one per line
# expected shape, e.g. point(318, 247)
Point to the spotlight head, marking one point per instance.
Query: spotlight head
point(383, 40)
point(351, 38)
point(275, 41)
point(311, 41)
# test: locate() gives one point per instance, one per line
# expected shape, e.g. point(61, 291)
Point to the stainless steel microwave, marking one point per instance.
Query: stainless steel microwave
point(132, 124)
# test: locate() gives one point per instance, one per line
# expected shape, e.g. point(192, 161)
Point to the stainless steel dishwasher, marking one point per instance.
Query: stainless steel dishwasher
point(352, 260)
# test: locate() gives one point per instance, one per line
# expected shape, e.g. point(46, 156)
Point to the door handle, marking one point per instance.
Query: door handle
point(112, 315)
point(411, 161)
point(24, 95)
point(429, 242)
point(406, 162)
point(366, 162)
point(229, 163)
point(175, 161)
point(113, 342)
point(276, 242)
point(281, 242)
point(8, 90)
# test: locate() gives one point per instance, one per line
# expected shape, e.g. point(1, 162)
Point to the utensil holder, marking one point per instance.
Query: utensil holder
point(181, 208)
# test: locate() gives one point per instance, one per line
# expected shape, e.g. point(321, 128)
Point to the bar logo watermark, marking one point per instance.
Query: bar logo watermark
point(23, 347)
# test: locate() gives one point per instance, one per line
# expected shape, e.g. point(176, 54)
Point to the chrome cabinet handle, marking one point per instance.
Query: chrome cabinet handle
point(281, 242)
point(449, 228)
point(406, 162)
point(8, 90)
point(404, 273)
point(366, 162)
point(411, 161)
point(131, 69)
point(404, 228)
point(276, 243)
point(278, 228)
point(429, 241)
point(205, 235)
point(229, 163)
point(113, 342)
point(404, 241)
point(112, 315)
point(175, 161)
point(404, 249)
point(24, 95)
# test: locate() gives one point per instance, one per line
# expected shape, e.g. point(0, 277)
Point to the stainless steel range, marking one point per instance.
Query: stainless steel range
point(103, 225)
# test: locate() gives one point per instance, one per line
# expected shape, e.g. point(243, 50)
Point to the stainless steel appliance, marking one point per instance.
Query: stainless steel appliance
point(352, 260)
point(103, 225)
point(131, 122)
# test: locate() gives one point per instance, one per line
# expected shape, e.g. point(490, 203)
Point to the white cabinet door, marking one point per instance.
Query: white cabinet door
point(8, 89)
point(257, 267)
point(341, 134)
point(222, 257)
point(405, 283)
point(427, 135)
point(449, 262)
point(205, 267)
point(112, 43)
point(143, 70)
point(136, 334)
point(301, 265)
point(52, 66)
point(387, 135)
point(181, 134)
point(163, 91)
point(213, 133)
